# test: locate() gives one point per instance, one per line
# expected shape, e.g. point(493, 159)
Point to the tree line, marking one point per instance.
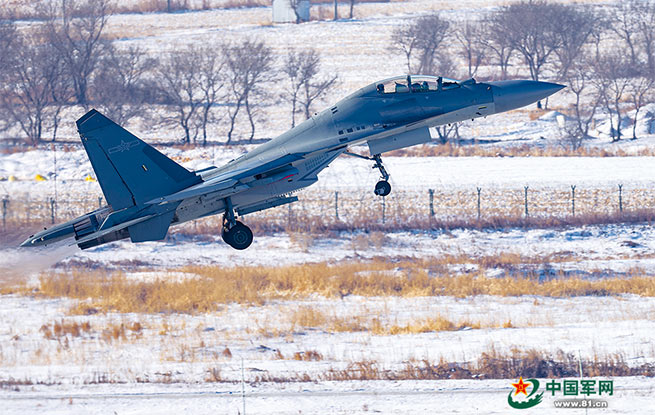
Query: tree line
point(604, 54)
point(68, 61)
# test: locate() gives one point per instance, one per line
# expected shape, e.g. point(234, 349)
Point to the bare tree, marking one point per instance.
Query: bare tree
point(579, 80)
point(352, 7)
point(576, 27)
point(296, 5)
point(178, 83)
point(405, 40)
point(420, 40)
point(447, 132)
point(469, 35)
point(633, 21)
point(611, 78)
point(647, 32)
point(7, 58)
point(535, 32)
point(625, 24)
point(75, 31)
point(210, 84)
point(640, 91)
point(30, 96)
point(248, 65)
point(7, 37)
point(120, 88)
point(292, 69)
point(303, 87)
point(497, 39)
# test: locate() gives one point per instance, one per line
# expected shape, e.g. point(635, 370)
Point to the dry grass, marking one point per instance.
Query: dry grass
point(308, 356)
point(311, 317)
point(62, 328)
point(426, 325)
point(302, 240)
point(256, 285)
point(491, 365)
point(497, 214)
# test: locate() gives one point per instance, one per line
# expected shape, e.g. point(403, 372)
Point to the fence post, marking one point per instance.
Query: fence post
point(526, 199)
point(99, 202)
point(431, 193)
point(5, 202)
point(336, 205)
point(620, 198)
point(479, 190)
point(52, 210)
point(572, 200)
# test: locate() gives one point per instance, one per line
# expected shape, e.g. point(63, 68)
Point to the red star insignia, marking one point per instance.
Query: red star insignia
point(521, 387)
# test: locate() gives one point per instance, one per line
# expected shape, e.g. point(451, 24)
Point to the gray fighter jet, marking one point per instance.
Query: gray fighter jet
point(147, 192)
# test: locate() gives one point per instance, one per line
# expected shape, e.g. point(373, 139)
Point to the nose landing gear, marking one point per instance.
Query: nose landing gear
point(382, 188)
point(235, 233)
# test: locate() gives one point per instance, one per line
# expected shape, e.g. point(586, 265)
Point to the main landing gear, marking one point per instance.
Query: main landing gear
point(235, 233)
point(382, 188)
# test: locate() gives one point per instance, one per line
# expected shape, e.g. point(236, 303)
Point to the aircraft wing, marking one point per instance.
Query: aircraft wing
point(236, 180)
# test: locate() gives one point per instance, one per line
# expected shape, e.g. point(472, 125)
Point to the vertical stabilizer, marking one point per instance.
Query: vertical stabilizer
point(130, 172)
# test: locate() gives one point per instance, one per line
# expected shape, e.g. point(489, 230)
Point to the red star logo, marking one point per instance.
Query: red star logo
point(521, 387)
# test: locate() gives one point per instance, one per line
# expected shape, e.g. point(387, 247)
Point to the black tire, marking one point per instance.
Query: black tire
point(239, 237)
point(225, 234)
point(382, 188)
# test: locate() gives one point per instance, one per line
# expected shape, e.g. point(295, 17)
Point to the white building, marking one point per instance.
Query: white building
point(283, 11)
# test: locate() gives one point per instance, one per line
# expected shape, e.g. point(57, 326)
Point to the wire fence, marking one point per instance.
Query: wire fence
point(402, 208)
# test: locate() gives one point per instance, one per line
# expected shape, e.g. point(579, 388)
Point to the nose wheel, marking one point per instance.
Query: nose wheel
point(235, 233)
point(382, 188)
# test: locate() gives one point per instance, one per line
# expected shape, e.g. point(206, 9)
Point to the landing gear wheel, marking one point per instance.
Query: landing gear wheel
point(382, 188)
point(226, 236)
point(238, 237)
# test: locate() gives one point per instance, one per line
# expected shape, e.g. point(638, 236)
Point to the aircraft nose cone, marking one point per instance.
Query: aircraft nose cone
point(509, 95)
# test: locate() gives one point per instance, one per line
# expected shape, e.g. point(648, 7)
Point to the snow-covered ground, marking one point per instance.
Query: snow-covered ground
point(136, 372)
point(603, 249)
point(633, 395)
point(178, 354)
point(349, 173)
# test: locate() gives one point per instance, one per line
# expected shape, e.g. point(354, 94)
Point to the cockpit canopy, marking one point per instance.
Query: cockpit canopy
point(418, 83)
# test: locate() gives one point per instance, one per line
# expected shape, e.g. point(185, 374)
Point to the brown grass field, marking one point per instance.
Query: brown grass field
point(210, 287)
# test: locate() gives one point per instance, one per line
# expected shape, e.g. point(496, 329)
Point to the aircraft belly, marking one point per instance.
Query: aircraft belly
point(401, 140)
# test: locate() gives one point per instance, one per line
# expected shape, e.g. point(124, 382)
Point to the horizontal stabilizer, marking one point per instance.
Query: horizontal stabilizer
point(130, 172)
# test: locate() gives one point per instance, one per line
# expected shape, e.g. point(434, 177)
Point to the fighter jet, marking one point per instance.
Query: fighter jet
point(148, 192)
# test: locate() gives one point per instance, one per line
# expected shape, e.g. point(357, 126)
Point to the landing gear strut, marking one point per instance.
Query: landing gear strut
point(382, 188)
point(235, 233)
